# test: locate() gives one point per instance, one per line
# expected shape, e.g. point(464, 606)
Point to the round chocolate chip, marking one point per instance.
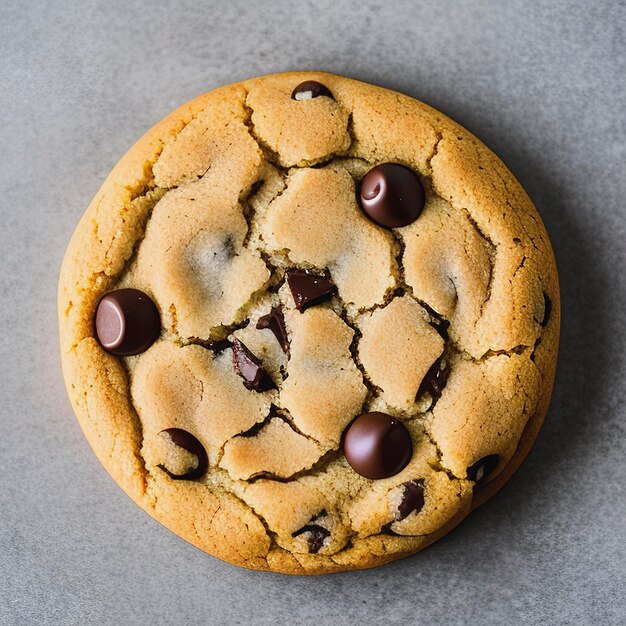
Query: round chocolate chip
point(377, 445)
point(127, 322)
point(187, 441)
point(479, 471)
point(310, 89)
point(391, 195)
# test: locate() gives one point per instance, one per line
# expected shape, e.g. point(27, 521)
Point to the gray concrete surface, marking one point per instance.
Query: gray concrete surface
point(542, 83)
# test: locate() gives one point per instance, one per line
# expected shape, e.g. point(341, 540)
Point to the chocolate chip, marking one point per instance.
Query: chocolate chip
point(187, 441)
point(377, 445)
point(482, 468)
point(412, 499)
point(249, 368)
point(308, 289)
point(127, 322)
point(435, 380)
point(391, 195)
point(275, 321)
point(547, 309)
point(310, 89)
point(316, 536)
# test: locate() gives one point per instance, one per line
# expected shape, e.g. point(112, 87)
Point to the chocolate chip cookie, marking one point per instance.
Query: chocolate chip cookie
point(309, 324)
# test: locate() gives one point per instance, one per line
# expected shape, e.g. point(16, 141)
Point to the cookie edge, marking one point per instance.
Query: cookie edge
point(125, 174)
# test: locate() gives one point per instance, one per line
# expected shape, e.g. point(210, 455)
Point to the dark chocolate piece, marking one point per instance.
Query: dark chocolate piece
point(127, 322)
point(275, 321)
point(435, 380)
point(308, 289)
point(376, 445)
point(316, 537)
point(310, 89)
point(187, 441)
point(249, 368)
point(412, 499)
point(391, 195)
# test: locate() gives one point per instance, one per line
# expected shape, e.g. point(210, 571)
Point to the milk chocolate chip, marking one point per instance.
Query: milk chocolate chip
point(127, 322)
point(249, 368)
point(391, 195)
point(187, 441)
point(310, 89)
point(376, 445)
point(308, 289)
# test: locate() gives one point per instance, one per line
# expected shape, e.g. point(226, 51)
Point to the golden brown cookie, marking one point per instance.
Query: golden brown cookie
point(309, 324)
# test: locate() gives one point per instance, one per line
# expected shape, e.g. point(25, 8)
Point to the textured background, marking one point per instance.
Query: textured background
point(543, 84)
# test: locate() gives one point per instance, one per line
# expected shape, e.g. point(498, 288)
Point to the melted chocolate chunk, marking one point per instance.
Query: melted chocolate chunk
point(249, 368)
point(310, 89)
point(316, 537)
point(547, 309)
point(127, 322)
point(275, 321)
point(391, 195)
point(412, 499)
point(434, 381)
point(187, 441)
point(308, 289)
point(482, 468)
point(376, 445)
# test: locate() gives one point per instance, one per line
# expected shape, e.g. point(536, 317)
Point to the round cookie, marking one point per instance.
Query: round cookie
point(338, 330)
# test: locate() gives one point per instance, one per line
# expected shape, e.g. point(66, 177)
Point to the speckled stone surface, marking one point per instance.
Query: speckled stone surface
point(542, 84)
